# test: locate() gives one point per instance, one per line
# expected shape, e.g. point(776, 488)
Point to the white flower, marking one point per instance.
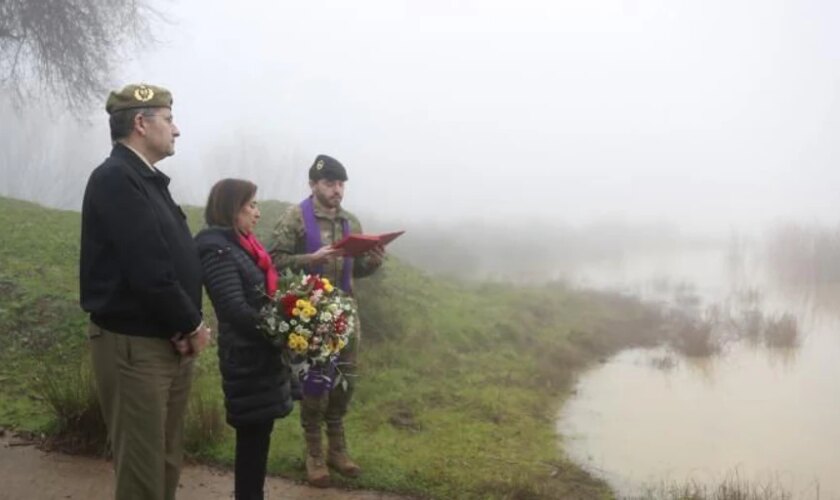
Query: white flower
point(284, 327)
point(326, 316)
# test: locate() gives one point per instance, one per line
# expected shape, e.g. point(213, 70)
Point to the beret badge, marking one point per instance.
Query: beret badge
point(143, 93)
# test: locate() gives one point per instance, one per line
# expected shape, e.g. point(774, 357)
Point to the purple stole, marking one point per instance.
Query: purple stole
point(313, 242)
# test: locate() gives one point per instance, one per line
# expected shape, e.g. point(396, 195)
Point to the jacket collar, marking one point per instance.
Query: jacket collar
point(130, 157)
point(216, 236)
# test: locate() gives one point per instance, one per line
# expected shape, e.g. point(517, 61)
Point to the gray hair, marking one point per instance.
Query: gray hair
point(122, 121)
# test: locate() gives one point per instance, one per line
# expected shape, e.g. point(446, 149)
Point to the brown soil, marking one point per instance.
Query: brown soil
point(26, 472)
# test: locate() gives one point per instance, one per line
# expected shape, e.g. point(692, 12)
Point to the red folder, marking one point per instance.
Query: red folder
point(357, 244)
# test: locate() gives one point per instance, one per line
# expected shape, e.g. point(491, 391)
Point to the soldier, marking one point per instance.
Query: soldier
point(303, 239)
point(140, 281)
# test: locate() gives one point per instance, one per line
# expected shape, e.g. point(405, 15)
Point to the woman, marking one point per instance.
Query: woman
point(238, 274)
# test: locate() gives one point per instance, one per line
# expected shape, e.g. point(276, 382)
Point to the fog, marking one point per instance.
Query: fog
point(701, 115)
point(683, 152)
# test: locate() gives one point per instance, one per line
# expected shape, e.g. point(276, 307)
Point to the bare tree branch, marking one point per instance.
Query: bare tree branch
point(67, 48)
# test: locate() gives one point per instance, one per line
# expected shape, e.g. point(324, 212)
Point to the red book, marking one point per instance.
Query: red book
point(357, 244)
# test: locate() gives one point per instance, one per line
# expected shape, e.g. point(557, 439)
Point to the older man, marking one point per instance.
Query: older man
point(140, 280)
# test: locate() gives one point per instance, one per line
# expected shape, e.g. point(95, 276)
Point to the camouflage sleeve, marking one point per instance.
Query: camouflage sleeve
point(288, 243)
point(362, 265)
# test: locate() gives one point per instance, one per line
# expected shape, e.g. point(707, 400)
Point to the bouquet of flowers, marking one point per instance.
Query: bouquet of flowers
point(314, 320)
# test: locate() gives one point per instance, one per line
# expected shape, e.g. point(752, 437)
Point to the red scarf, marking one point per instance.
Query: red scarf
point(253, 246)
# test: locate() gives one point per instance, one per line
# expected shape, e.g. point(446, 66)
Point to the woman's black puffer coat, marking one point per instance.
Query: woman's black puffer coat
point(255, 377)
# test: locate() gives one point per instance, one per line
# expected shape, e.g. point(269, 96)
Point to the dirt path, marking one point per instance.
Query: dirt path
point(26, 472)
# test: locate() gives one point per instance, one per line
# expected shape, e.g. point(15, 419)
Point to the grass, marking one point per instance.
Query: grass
point(782, 331)
point(69, 391)
point(459, 385)
point(205, 426)
point(733, 487)
point(695, 338)
point(699, 334)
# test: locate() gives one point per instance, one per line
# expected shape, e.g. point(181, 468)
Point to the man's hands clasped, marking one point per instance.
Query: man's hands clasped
point(191, 344)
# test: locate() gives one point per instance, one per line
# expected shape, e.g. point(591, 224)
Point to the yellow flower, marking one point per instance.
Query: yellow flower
point(303, 308)
point(336, 345)
point(327, 285)
point(298, 343)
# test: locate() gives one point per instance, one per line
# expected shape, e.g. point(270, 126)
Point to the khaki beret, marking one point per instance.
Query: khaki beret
point(138, 95)
point(327, 167)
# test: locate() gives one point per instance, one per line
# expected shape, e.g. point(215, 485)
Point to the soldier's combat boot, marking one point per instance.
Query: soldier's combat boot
point(337, 456)
point(317, 473)
point(311, 416)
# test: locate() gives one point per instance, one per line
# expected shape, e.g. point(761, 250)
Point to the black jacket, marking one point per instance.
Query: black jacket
point(139, 272)
point(255, 375)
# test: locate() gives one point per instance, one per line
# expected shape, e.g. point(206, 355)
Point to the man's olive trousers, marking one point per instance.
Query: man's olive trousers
point(143, 387)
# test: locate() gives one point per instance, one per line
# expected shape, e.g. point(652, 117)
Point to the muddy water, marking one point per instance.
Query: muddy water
point(764, 415)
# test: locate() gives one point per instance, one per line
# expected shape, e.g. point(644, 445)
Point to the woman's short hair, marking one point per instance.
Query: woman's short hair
point(227, 197)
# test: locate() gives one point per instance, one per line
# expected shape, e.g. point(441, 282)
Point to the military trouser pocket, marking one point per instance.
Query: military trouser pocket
point(94, 331)
point(124, 348)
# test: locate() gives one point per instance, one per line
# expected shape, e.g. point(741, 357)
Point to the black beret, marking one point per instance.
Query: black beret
point(327, 167)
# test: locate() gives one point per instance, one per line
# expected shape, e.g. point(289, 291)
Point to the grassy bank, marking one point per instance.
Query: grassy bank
point(459, 384)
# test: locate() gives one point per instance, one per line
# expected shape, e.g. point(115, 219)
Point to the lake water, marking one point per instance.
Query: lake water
point(761, 414)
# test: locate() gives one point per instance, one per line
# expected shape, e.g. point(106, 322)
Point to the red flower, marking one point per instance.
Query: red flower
point(288, 300)
point(316, 282)
point(340, 325)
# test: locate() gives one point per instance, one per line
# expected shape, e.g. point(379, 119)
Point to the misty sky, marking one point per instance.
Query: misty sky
point(711, 112)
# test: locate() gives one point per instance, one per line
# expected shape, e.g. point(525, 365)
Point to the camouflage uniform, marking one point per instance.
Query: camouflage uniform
point(289, 242)
point(287, 250)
